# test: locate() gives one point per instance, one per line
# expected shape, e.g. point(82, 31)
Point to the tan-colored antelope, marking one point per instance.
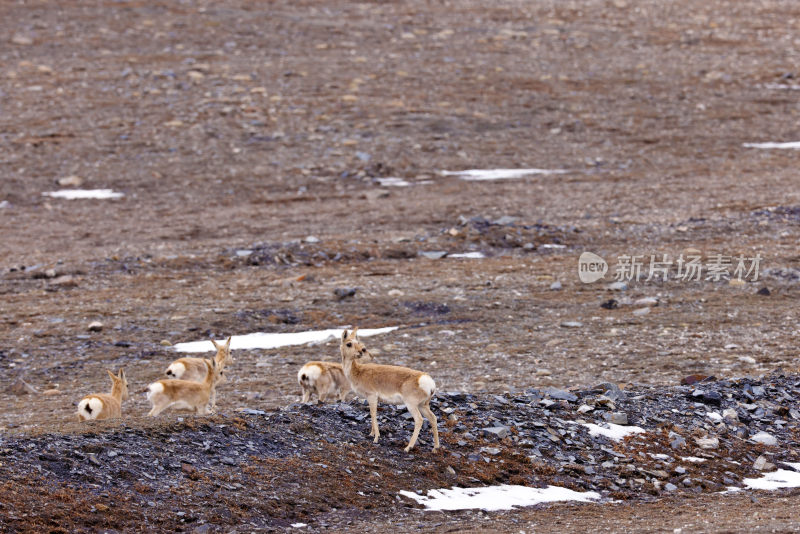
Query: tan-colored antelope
point(326, 379)
point(184, 394)
point(105, 405)
point(195, 370)
point(389, 383)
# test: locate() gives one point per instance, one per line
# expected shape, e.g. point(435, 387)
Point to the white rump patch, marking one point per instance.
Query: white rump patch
point(499, 174)
point(262, 340)
point(95, 407)
point(155, 387)
point(503, 497)
point(84, 193)
point(177, 369)
point(427, 384)
point(312, 372)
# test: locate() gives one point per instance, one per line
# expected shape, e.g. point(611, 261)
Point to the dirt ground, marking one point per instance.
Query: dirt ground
point(266, 127)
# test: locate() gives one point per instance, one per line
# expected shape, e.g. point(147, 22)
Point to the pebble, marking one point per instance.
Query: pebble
point(555, 286)
point(617, 286)
point(641, 311)
point(312, 239)
point(560, 394)
point(95, 326)
point(761, 464)
point(747, 359)
point(70, 181)
point(646, 301)
point(345, 292)
point(395, 293)
point(764, 437)
point(707, 397)
point(764, 291)
point(730, 414)
point(617, 418)
point(433, 254)
point(708, 443)
point(610, 304)
point(571, 324)
point(165, 343)
point(669, 486)
point(499, 431)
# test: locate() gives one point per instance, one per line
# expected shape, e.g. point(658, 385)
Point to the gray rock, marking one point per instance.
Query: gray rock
point(669, 486)
point(559, 394)
point(676, 441)
point(617, 286)
point(499, 431)
point(611, 391)
point(571, 324)
point(765, 438)
point(505, 220)
point(761, 464)
point(344, 292)
point(555, 286)
point(617, 418)
point(433, 254)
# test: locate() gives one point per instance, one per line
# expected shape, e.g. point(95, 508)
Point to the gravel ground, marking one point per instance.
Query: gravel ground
point(253, 145)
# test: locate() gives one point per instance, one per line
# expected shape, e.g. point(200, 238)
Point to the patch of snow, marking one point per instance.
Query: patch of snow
point(503, 497)
point(693, 459)
point(470, 255)
point(553, 245)
point(393, 182)
point(612, 431)
point(782, 478)
point(793, 144)
point(84, 193)
point(299, 525)
point(263, 340)
point(499, 174)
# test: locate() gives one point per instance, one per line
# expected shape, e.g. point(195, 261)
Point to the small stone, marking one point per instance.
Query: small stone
point(764, 291)
point(66, 280)
point(166, 343)
point(70, 181)
point(765, 438)
point(747, 359)
point(707, 397)
point(555, 286)
point(646, 301)
point(736, 282)
point(491, 451)
point(23, 40)
point(687, 482)
point(730, 414)
point(433, 254)
point(395, 293)
point(243, 253)
point(505, 220)
point(95, 326)
point(499, 431)
point(344, 292)
point(617, 286)
point(20, 387)
point(669, 486)
point(571, 324)
point(610, 304)
point(680, 470)
point(543, 372)
point(450, 470)
point(708, 443)
point(641, 311)
point(312, 239)
point(51, 392)
point(693, 379)
point(761, 464)
point(617, 418)
point(585, 408)
point(559, 394)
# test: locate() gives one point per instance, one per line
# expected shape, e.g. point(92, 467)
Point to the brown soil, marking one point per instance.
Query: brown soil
point(244, 125)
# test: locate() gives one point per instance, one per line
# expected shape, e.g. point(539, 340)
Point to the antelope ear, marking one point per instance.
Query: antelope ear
point(215, 344)
point(344, 335)
point(228, 343)
point(112, 375)
point(121, 374)
point(353, 333)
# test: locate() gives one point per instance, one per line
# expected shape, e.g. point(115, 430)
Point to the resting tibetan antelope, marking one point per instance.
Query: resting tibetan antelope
point(389, 383)
point(105, 405)
point(326, 379)
point(184, 394)
point(195, 370)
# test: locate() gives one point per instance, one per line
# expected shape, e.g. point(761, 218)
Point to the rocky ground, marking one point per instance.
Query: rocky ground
point(254, 145)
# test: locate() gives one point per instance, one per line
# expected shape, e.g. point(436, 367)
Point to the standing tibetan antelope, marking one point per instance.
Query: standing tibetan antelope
point(389, 383)
point(195, 370)
point(184, 394)
point(105, 405)
point(326, 379)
